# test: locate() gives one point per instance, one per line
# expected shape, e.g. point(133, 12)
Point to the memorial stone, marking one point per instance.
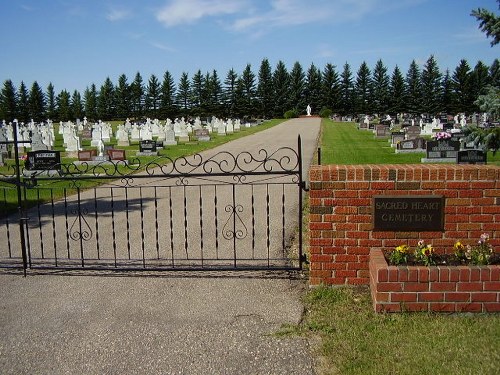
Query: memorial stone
point(471, 157)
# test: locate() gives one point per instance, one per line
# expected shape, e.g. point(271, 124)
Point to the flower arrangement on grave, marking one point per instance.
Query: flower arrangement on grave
point(481, 253)
point(441, 136)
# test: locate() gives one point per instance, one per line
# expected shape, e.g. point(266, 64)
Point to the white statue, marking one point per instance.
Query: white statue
point(100, 148)
point(308, 110)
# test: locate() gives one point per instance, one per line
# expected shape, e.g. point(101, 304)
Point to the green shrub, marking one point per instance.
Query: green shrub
point(325, 112)
point(292, 113)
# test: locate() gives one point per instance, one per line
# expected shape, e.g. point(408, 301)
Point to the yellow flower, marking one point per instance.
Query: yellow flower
point(459, 246)
point(427, 250)
point(402, 249)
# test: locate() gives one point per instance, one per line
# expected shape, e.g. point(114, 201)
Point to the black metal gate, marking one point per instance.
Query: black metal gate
point(217, 211)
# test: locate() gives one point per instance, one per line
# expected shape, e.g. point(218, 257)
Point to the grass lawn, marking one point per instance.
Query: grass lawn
point(356, 340)
point(343, 143)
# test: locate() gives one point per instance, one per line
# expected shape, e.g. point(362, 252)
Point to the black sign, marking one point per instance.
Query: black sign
point(471, 157)
point(43, 160)
point(442, 149)
point(147, 146)
point(408, 213)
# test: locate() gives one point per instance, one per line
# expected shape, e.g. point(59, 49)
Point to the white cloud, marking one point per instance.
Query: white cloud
point(178, 12)
point(161, 46)
point(118, 15)
point(299, 12)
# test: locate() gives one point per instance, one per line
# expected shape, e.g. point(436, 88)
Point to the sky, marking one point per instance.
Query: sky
point(74, 43)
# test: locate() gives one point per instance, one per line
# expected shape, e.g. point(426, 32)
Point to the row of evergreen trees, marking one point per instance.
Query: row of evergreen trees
point(265, 95)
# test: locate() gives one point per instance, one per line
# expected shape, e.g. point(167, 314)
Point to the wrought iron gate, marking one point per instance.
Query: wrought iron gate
point(218, 211)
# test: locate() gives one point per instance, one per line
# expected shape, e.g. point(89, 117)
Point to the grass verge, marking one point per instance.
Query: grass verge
point(356, 340)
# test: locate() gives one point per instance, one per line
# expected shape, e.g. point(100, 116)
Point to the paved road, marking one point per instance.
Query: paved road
point(174, 323)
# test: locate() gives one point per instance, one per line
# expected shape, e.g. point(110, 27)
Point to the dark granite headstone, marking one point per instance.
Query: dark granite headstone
point(471, 157)
point(442, 149)
point(43, 160)
point(147, 146)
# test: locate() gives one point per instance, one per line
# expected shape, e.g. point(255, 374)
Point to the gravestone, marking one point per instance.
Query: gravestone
point(471, 157)
point(363, 126)
point(147, 148)
point(381, 131)
point(87, 155)
point(43, 160)
point(169, 136)
point(3, 138)
point(116, 154)
point(397, 137)
point(411, 145)
point(412, 132)
point(443, 150)
point(202, 135)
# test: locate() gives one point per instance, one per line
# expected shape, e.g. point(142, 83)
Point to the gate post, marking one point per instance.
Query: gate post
point(20, 206)
point(302, 187)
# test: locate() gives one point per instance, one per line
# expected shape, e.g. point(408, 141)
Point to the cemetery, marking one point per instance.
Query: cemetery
point(108, 143)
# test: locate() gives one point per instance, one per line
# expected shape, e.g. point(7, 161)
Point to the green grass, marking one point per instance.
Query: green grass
point(343, 143)
point(356, 340)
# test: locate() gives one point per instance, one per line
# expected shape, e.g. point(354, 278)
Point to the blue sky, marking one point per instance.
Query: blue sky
point(74, 43)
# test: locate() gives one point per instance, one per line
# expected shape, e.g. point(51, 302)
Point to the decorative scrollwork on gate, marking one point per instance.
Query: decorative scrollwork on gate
point(234, 227)
point(80, 229)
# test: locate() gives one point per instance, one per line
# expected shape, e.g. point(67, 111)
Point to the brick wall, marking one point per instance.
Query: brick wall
point(437, 289)
point(340, 220)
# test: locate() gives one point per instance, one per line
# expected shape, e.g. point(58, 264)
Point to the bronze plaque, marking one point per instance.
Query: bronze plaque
point(408, 213)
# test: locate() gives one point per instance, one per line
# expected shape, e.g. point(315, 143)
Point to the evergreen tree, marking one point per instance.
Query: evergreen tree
point(249, 91)
point(229, 93)
point(313, 88)
point(413, 89)
point(214, 94)
point(461, 86)
point(480, 80)
point(51, 102)
point(281, 81)
point(36, 103)
point(8, 101)
point(431, 87)
point(494, 73)
point(184, 93)
point(297, 86)
point(76, 105)
point(106, 100)
point(240, 99)
point(167, 105)
point(330, 88)
point(152, 101)
point(397, 92)
point(489, 23)
point(380, 88)
point(90, 99)
point(123, 98)
point(137, 96)
point(447, 93)
point(265, 90)
point(363, 89)
point(64, 106)
point(23, 104)
point(346, 91)
point(198, 95)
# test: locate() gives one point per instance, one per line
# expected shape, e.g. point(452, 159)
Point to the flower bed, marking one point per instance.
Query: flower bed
point(433, 288)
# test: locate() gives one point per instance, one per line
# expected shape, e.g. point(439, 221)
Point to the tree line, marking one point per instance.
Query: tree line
point(267, 94)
